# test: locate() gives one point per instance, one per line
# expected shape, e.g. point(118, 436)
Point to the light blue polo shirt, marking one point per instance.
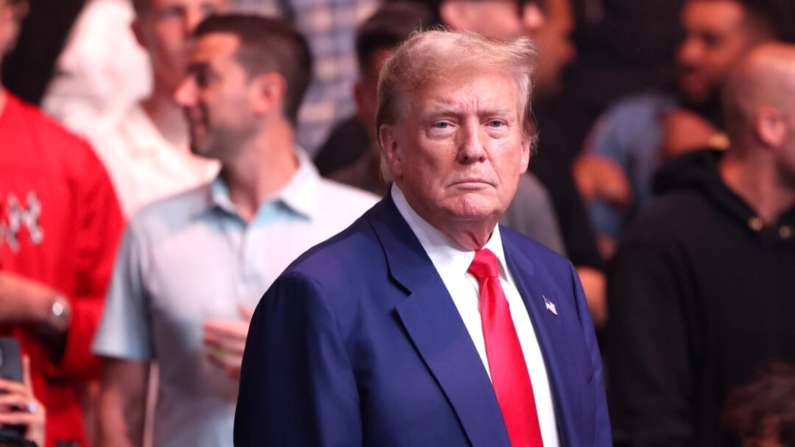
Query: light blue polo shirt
point(190, 258)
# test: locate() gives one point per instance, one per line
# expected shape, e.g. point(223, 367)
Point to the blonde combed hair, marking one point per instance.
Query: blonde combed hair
point(434, 56)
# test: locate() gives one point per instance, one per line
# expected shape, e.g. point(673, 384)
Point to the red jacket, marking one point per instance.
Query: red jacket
point(60, 224)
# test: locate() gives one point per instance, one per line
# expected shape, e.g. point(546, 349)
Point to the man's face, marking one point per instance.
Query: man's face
point(366, 90)
point(502, 19)
point(459, 149)
point(554, 38)
point(10, 18)
point(216, 96)
point(164, 29)
point(715, 40)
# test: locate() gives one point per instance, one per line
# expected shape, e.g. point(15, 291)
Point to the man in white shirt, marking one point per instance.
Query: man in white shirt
point(425, 323)
point(143, 141)
point(192, 267)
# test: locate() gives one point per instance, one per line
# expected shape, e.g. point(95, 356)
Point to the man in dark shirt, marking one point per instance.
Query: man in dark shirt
point(701, 290)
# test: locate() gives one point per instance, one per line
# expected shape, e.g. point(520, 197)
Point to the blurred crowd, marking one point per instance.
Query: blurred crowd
point(162, 161)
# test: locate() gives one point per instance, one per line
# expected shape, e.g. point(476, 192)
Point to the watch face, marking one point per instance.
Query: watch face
point(57, 309)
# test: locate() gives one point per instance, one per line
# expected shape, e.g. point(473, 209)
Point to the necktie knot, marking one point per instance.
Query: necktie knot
point(484, 265)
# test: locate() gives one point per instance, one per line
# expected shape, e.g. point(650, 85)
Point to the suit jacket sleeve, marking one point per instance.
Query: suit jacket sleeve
point(651, 370)
point(603, 436)
point(297, 386)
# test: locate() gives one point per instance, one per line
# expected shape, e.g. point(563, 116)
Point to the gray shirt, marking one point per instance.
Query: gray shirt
point(190, 258)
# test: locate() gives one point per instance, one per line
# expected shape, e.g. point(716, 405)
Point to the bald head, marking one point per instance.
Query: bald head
point(762, 86)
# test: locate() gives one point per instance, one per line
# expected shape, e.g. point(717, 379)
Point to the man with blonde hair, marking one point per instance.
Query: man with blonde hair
point(425, 323)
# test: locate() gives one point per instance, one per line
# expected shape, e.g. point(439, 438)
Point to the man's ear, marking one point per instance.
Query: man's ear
point(390, 147)
point(527, 149)
point(770, 126)
point(268, 92)
point(455, 14)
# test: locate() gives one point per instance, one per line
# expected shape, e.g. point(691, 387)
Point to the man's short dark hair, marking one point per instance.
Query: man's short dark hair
point(267, 45)
point(766, 406)
point(388, 27)
point(765, 17)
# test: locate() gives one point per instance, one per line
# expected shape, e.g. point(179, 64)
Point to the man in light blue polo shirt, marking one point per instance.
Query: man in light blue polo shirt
point(192, 267)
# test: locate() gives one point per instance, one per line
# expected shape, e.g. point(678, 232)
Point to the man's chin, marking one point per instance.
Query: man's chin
point(475, 209)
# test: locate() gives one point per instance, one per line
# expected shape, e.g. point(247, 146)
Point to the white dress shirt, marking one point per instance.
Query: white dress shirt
point(452, 262)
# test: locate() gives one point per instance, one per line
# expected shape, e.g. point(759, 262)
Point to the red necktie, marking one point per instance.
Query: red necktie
point(509, 374)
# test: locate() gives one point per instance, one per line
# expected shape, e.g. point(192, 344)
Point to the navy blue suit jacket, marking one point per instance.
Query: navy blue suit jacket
point(358, 343)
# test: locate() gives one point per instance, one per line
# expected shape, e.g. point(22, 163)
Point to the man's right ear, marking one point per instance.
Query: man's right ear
point(391, 149)
point(770, 126)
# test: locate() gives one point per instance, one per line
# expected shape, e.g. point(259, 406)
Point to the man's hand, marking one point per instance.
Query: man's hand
point(226, 341)
point(685, 131)
point(599, 177)
point(25, 301)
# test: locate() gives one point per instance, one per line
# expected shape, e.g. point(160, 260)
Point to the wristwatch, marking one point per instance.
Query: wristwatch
point(60, 313)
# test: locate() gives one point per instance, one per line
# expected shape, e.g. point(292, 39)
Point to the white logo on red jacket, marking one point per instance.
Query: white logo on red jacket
point(18, 216)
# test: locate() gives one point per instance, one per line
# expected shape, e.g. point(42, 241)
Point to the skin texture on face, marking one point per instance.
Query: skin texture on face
point(6, 26)
point(164, 30)
point(217, 97)
point(502, 19)
point(716, 38)
point(458, 153)
point(10, 21)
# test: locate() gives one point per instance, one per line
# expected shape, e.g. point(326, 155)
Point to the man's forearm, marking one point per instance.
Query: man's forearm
point(122, 403)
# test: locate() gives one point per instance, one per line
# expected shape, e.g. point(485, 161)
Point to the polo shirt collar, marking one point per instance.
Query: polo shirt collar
point(299, 195)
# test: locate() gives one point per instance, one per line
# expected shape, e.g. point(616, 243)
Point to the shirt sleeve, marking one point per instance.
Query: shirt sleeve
point(99, 225)
point(124, 331)
point(651, 348)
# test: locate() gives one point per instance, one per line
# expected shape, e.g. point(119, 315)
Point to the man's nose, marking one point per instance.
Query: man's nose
point(472, 146)
point(689, 52)
point(185, 95)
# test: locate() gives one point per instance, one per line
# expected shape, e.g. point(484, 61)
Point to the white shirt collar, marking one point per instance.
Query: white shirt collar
point(299, 194)
point(444, 252)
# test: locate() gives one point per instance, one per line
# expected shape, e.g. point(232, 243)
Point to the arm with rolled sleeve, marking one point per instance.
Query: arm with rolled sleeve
point(124, 341)
point(297, 386)
point(652, 371)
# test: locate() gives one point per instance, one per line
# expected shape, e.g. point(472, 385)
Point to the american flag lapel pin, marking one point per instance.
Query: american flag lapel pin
point(550, 305)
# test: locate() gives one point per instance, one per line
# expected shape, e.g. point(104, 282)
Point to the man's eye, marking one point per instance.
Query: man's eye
point(496, 123)
point(441, 125)
point(202, 79)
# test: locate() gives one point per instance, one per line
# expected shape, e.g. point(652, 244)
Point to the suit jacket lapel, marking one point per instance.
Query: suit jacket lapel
point(551, 335)
point(434, 325)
